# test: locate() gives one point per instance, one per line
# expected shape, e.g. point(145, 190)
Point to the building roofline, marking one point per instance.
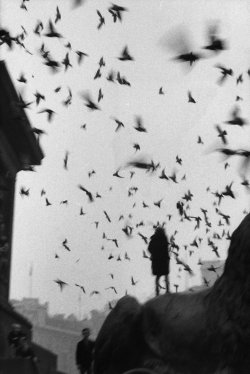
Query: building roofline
point(34, 149)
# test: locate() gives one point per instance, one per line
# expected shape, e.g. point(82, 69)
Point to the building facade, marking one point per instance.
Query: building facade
point(19, 150)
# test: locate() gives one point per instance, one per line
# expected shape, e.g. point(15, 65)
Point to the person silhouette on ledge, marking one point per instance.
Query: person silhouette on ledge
point(159, 251)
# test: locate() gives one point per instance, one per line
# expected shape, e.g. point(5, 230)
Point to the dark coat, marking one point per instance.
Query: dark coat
point(84, 353)
point(158, 248)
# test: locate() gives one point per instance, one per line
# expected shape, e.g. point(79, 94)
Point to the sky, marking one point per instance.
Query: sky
point(155, 33)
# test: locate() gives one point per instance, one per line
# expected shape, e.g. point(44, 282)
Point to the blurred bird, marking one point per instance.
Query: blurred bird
point(52, 33)
point(216, 44)
point(50, 113)
point(133, 282)
point(111, 288)
point(221, 134)
point(125, 56)
point(100, 95)
point(47, 202)
point(139, 126)
point(190, 98)
point(236, 119)
point(65, 160)
point(66, 62)
point(61, 284)
point(89, 102)
point(119, 124)
point(225, 73)
point(101, 20)
point(58, 15)
point(24, 192)
point(88, 193)
point(39, 97)
point(81, 287)
point(116, 11)
point(80, 55)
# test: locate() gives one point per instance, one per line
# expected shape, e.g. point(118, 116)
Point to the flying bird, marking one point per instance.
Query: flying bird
point(65, 160)
point(88, 193)
point(80, 55)
point(101, 20)
point(236, 119)
point(107, 216)
point(61, 284)
point(58, 15)
point(225, 72)
point(65, 244)
point(139, 126)
point(216, 44)
point(52, 33)
point(116, 11)
point(47, 202)
point(50, 113)
point(125, 55)
point(221, 134)
point(89, 102)
point(190, 98)
point(81, 287)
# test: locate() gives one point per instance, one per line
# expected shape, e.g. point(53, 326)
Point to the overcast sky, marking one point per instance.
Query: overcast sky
point(155, 32)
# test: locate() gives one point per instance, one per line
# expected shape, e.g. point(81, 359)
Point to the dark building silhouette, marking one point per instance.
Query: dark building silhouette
point(19, 150)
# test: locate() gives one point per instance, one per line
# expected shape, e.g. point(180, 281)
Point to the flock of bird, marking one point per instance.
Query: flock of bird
point(215, 46)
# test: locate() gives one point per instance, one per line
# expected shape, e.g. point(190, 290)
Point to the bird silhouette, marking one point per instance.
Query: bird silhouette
point(107, 216)
point(101, 20)
point(139, 126)
point(88, 193)
point(216, 44)
point(100, 95)
point(65, 245)
point(112, 288)
point(190, 98)
point(81, 287)
point(221, 134)
point(48, 203)
point(125, 55)
point(225, 72)
point(24, 192)
point(116, 11)
point(89, 102)
point(52, 33)
point(80, 55)
point(61, 284)
point(65, 160)
point(58, 15)
point(66, 62)
point(236, 119)
point(144, 238)
point(50, 113)
point(133, 282)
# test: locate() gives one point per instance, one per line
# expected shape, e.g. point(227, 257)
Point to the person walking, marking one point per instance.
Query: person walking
point(84, 353)
point(158, 249)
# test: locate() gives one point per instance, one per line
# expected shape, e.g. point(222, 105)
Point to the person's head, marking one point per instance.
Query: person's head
point(85, 332)
point(159, 232)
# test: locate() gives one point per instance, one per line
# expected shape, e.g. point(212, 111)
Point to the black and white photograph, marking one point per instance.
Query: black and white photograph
point(124, 187)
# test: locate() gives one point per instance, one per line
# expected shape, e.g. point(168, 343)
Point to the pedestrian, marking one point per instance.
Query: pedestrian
point(14, 337)
point(158, 249)
point(84, 352)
